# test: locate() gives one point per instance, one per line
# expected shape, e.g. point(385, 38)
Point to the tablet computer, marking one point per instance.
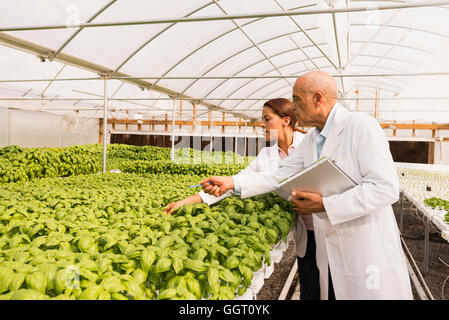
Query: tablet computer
point(323, 176)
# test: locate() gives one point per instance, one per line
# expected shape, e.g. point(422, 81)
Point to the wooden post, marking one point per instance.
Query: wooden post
point(126, 127)
point(413, 128)
point(209, 121)
point(394, 130)
point(152, 125)
point(166, 122)
point(100, 131)
point(113, 123)
point(357, 101)
point(222, 127)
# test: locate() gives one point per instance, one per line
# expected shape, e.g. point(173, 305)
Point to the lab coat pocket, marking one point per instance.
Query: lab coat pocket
point(362, 248)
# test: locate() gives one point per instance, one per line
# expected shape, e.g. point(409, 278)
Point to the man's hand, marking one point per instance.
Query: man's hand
point(171, 207)
point(217, 186)
point(307, 202)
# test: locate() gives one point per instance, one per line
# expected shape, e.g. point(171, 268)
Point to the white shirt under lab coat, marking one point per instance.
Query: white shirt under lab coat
point(357, 236)
point(267, 160)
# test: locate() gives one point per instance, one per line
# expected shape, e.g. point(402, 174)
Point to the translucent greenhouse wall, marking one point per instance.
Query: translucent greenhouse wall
point(31, 129)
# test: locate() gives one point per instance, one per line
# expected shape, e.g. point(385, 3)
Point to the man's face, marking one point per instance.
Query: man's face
point(304, 106)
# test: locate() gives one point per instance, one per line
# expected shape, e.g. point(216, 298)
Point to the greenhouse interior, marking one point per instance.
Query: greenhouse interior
point(139, 150)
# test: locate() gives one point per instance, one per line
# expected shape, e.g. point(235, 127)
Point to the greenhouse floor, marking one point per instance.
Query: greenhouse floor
point(413, 235)
point(273, 286)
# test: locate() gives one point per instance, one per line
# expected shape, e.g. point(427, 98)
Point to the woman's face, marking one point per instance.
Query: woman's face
point(272, 123)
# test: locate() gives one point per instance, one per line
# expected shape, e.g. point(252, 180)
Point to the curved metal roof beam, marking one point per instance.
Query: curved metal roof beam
point(308, 37)
point(251, 80)
point(52, 57)
point(231, 17)
point(218, 37)
point(270, 83)
point(243, 50)
point(380, 83)
point(400, 27)
point(255, 44)
point(253, 64)
point(388, 58)
point(157, 35)
point(362, 85)
point(377, 88)
point(384, 83)
point(110, 3)
point(398, 45)
point(267, 95)
point(382, 68)
point(204, 45)
point(400, 1)
point(265, 85)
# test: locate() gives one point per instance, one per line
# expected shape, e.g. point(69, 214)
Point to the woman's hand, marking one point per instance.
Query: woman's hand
point(217, 186)
point(171, 207)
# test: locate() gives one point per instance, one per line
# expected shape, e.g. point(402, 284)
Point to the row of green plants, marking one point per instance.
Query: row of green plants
point(438, 203)
point(106, 236)
point(20, 164)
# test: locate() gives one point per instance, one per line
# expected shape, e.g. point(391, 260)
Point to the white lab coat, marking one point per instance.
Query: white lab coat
point(267, 161)
point(357, 236)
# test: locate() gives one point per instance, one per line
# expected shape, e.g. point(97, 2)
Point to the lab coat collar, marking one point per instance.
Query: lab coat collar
point(333, 137)
point(297, 137)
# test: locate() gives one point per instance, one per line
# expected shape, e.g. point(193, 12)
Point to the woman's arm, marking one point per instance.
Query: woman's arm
point(170, 208)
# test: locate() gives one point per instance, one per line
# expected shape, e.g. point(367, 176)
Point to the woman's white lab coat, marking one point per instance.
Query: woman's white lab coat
point(357, 236)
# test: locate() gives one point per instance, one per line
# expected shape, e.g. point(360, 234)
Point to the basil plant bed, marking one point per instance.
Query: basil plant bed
point(107, 237)
point(438, 203)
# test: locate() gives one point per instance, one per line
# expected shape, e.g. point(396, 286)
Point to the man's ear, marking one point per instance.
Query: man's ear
point(317, 98)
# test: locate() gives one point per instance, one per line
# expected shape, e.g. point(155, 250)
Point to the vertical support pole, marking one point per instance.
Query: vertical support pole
point(61, 132)
point(357, 101)
point(9, 126)
point(194, 117)
point(180, 114)
point(426, 245)
point(152, 124)
point(166, 122)
point(210, 132)
point(394, 130)
point(401, 213)
point(375, 105)
point(413, 128)
point(173, 132)
point(245, 151)
point(105, 121)
point(236, 138)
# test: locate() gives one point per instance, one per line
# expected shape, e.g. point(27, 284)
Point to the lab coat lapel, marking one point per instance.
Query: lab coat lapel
point(334, 136)
point(309, 153)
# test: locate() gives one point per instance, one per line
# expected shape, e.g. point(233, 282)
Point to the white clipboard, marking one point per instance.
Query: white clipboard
point(323, 176)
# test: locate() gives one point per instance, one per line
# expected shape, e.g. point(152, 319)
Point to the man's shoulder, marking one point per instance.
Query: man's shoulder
point(360, 120)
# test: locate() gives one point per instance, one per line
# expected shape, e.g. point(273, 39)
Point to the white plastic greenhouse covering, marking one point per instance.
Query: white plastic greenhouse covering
point(226, 55)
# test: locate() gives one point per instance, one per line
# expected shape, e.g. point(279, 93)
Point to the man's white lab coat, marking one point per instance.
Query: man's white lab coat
point(357, 236)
